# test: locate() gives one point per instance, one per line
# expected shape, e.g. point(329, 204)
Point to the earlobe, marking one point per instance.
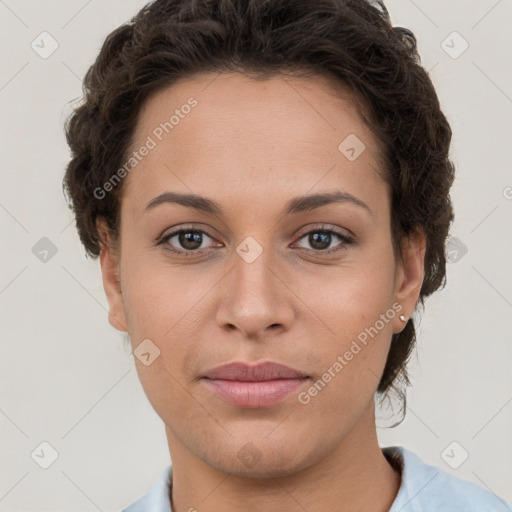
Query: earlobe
point(410, 274)
point(110, 276)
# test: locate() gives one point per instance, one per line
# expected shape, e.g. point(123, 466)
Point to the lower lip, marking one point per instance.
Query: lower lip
point(254, 394)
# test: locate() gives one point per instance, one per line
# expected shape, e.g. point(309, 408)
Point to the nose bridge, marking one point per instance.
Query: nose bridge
point(255, 298)
point(253, 270)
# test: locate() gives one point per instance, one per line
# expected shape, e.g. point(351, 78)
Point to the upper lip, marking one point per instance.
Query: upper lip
point(259, 372)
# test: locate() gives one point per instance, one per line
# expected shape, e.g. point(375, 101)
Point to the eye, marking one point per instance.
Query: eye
point(188, 239)
point(321, 239)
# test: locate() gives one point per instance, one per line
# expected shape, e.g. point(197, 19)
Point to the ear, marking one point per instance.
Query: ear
point(409, 275)
point(110, 275)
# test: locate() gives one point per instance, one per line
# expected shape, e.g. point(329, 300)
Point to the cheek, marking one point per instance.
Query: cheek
point(352, 364)
point(354, 312)
point(351, 299)
point(158, 298)
point(167, 307)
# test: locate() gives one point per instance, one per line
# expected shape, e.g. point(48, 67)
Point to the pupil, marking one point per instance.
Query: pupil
point(190, 239)
point(323, 237)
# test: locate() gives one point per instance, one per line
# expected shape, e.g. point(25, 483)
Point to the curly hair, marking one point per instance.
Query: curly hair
point(352, 41)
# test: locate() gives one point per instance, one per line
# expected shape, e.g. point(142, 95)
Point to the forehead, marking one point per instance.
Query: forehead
point(229, 131)
point(262, 106)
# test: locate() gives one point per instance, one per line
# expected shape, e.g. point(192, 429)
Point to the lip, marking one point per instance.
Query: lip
point(254, 385)
point(246, 372)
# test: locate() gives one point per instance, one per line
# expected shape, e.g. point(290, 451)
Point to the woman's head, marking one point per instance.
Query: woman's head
point(252, 105)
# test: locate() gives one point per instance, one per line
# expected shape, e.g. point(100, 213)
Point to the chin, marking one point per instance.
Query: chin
point(264, 468)
point(262, 459)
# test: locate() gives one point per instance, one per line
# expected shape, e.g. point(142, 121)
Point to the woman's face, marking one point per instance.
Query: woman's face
point(258, 279)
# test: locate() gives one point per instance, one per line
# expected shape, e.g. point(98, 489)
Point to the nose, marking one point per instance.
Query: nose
point(255, 299)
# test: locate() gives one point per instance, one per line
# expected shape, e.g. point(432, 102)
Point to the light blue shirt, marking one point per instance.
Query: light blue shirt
point(424, 488)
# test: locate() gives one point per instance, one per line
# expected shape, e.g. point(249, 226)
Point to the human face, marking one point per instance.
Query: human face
point(252, 147)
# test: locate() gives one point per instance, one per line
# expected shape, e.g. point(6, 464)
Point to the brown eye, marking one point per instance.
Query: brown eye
point(185, 241)
point(320, 240)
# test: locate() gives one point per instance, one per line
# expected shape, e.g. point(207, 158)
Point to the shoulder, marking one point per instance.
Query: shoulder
point(426, 487)
point(157, 498)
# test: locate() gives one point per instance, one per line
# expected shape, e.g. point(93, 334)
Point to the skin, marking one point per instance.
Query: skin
point(251, 146)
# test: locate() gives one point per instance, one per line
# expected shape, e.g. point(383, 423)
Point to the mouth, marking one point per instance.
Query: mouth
point(254, 386)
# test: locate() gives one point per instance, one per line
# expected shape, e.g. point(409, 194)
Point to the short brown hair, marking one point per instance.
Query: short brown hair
point(350, 40)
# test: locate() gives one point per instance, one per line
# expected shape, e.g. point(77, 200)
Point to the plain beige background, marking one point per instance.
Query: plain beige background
point(66, 379)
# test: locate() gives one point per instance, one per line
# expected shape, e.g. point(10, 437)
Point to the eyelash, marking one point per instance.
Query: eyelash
point(347, 240)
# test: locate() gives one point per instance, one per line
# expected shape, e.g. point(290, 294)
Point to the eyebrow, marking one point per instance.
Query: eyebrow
point(294, 205)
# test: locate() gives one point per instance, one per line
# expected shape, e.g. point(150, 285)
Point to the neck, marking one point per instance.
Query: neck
point(355, 476)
